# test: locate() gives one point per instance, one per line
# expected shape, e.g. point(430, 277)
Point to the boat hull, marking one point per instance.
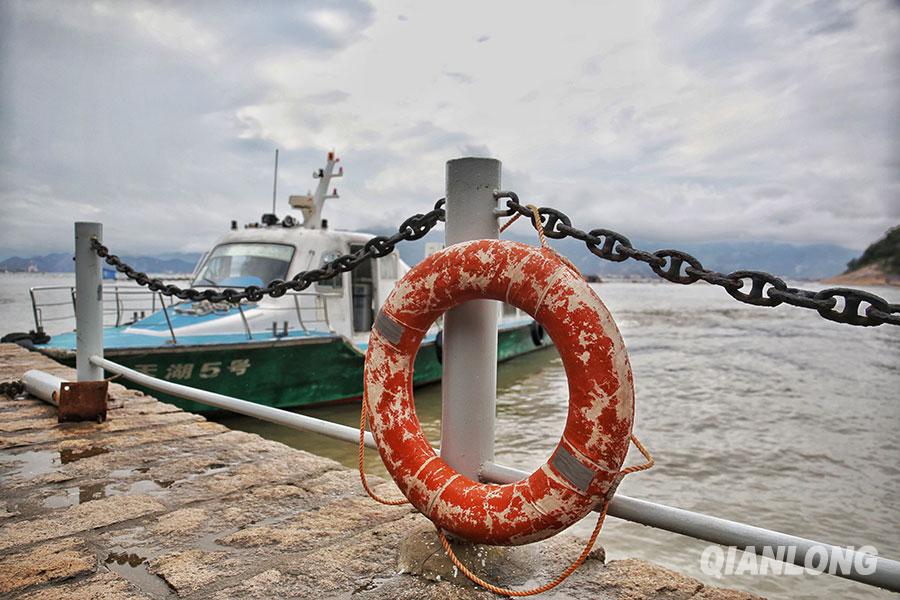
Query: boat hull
point(287, 373)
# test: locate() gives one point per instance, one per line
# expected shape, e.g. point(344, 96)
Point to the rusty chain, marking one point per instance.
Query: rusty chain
point(680, 267)
point(11, 388)
point(672, 265)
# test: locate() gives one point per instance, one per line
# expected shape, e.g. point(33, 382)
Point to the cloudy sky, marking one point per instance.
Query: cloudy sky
point(672, 121)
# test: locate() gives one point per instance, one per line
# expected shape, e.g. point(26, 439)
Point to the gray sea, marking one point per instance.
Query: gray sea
point(772, 417)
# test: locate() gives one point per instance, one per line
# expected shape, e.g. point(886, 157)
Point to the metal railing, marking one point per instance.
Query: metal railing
point(125, 304)
point(468, 393)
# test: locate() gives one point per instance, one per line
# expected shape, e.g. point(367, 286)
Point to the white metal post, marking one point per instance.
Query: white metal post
point(88, 302)
point(469, 385)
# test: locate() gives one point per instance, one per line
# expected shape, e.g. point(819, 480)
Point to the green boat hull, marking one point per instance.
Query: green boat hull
point(282, 373)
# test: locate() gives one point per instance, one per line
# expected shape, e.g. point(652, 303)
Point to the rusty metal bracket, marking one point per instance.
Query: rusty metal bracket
point(82, 401)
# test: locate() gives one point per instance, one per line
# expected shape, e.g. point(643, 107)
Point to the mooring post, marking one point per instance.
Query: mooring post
point(88, 302)
point(469, 385)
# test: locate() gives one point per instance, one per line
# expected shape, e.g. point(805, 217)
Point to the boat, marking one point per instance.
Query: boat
point(302, 349)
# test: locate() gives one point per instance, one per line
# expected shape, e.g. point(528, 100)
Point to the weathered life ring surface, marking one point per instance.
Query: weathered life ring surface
point(584, 467)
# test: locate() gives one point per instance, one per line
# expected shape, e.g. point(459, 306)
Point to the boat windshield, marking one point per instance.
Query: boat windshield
point(242, 265)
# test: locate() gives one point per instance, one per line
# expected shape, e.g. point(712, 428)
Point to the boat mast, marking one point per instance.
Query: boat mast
point(311, 204)
point(275, 182)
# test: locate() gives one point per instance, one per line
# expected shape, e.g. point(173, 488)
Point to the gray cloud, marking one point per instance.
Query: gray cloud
point(696, 122)
point(459, 77)
point(108, 122)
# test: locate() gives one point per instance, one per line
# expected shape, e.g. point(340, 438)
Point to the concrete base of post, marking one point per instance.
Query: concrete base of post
point(421, 554)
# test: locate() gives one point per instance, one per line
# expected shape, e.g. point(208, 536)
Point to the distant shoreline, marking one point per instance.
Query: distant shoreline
point(869, 275)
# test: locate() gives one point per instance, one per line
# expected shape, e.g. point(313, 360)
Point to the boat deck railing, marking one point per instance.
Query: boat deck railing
point(123, 304)
point(126, 304)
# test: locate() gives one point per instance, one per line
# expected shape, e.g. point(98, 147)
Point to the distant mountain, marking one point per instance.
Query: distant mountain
point(792, 261)
point(879, 264)
point(63, 262)
point(815, 261)
point(885, 253)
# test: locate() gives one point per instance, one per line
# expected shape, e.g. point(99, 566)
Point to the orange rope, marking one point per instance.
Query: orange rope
point(530, 592)
point(540, 231)
point(577, 562)
point(363, 416)
point(643, 450)
point(509, 222)
point(536, 222)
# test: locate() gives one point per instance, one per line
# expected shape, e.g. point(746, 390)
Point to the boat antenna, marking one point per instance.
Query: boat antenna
point(275, 182)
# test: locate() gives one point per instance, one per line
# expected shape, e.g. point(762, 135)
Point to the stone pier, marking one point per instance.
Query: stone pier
point(159, 503)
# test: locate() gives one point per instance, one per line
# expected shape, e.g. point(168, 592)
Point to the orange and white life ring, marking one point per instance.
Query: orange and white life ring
point(583, 470)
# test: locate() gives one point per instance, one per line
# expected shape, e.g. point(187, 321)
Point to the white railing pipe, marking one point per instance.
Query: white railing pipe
point(250, 409)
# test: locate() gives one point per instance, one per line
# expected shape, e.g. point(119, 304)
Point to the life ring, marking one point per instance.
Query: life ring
point(583, 470)
point(537, 333)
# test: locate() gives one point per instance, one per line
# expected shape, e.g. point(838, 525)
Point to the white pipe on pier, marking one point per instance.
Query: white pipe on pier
point(251, 409)
point(42, 385)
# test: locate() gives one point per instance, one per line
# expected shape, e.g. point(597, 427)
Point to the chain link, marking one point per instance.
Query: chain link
point(413, 228)
point(12, 388)
point(835, 304)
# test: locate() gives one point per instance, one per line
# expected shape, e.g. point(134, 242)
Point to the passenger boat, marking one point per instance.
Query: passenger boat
point(303, 349)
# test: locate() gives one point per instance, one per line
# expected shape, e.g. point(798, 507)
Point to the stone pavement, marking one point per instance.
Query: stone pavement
point(160, 503)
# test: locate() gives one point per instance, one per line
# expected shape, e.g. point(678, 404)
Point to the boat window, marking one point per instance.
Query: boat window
point(335, 283)
point(242, 265)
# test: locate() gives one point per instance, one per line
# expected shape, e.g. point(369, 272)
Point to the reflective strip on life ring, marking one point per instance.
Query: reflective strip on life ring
point(584, 467)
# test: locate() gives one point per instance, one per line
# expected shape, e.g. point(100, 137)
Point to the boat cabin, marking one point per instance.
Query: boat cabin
point(344, 305)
